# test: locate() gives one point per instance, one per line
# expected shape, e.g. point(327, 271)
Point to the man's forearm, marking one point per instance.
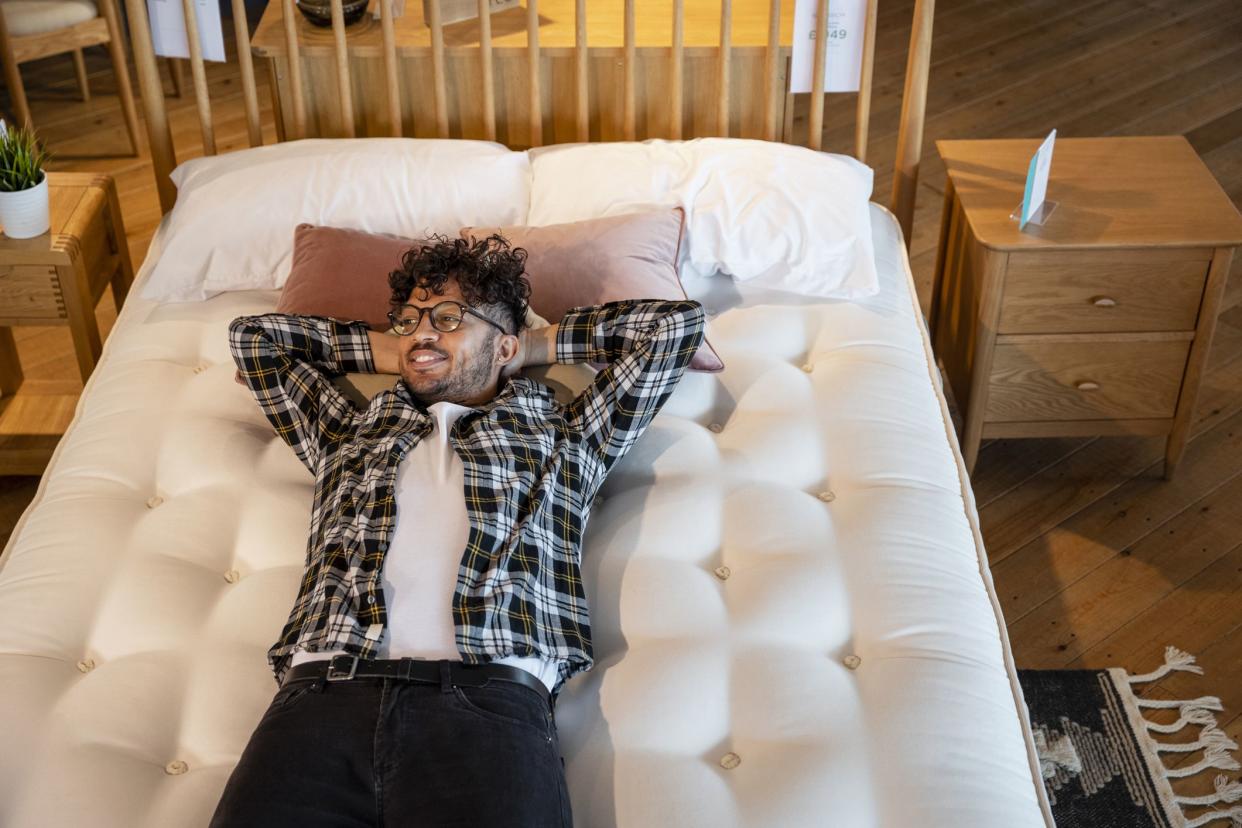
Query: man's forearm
point(384, 353)
point(659, 331)
point(540, 345)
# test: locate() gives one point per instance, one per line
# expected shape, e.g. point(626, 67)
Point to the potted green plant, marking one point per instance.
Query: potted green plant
point(23, 184)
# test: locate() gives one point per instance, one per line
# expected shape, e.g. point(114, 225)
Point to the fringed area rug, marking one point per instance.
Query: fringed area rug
point(1100, 757)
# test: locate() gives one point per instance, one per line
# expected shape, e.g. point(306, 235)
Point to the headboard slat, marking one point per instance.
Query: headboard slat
point(485, 69)
point(771, 59)
point(437, 71)
point(199, 72)
point(536, 89)
point(163, 157)
point(294, 58)
point(391, 83)
point(116, 51)
point(580, 67)
point(862, 121)
point(913, 110)
point(815, 122)
point(345, 97)
point(630, 121)
point(722, 68)
point(245, 61)
point(678, 70)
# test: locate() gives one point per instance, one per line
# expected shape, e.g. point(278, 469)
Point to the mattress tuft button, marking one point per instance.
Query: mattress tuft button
point(723, 573)
point(232, 576)
point(198, 369)
point(827, 496)
point(176, 767)
point(153, 501)
point(715, 428)
point(86, 665)
point(730, 761)
point(852, 661)
point(808, 367)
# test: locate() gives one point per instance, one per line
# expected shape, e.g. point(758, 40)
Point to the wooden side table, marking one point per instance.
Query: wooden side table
point(58, 278)
point(1097, 322)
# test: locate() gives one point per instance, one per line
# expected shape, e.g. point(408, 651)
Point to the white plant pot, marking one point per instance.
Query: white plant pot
point(24, 214)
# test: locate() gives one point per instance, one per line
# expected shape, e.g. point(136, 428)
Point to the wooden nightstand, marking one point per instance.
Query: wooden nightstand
point(1097, 322)
point(57, 279)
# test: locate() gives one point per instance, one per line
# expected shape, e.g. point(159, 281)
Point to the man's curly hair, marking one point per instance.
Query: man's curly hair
point(488, 271)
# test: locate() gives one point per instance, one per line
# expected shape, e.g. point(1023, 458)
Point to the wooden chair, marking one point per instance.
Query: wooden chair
point(33, 29)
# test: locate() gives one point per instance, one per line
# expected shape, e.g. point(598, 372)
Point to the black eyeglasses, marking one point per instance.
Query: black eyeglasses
point(446, 317)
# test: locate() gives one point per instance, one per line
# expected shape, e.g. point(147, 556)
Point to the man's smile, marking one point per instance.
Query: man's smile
point(426, 358)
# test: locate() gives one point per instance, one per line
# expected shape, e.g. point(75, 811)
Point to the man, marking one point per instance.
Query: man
point(442, 608)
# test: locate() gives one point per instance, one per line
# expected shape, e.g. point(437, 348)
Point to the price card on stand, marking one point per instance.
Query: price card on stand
point(1034, 209)
point(168, 34)
point(843, 58)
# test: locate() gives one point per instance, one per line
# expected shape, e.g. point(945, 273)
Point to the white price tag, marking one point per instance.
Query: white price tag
point(168, 29)
point(843, 59)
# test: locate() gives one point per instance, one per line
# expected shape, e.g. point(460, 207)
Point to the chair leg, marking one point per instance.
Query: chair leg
point(13, 77)
point(120, 67)
point(79, 66)
point(178, 80)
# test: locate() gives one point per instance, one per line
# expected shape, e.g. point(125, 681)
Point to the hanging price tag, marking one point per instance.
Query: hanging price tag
point(843, 59)
point(168, 34)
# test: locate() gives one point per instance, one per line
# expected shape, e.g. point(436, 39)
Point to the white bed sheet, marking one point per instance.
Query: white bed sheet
point(848, 668)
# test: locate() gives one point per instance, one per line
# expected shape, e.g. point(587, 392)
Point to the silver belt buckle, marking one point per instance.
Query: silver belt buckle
point(339, 673)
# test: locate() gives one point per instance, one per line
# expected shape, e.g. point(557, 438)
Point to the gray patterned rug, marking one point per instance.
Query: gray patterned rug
point(1101, 758)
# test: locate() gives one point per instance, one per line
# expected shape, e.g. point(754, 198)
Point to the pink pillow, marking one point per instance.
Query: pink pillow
point(342, 274)
point(631, 256)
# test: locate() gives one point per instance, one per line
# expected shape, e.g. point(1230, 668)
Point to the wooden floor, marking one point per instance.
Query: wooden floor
point(1097, 561)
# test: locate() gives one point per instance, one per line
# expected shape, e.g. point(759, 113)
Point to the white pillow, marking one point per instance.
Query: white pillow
point(232, 226)
point(783, 216)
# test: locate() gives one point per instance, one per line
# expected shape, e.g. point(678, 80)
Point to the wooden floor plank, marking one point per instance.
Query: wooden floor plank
point(1023, 461)
point(1222, 130)
point(1092, 608)
point(1193, 616)
point(1146, 110)
point(1225, 162)
point(1040, 571)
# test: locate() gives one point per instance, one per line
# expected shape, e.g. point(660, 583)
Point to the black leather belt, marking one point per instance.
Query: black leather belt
point(346, 667)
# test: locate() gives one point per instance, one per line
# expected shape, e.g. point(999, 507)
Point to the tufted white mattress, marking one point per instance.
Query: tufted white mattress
point(793, 617)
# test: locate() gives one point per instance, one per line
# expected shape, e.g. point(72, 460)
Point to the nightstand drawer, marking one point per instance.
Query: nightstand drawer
point(1103, 291)
point(30, 292)
point(1085, 379)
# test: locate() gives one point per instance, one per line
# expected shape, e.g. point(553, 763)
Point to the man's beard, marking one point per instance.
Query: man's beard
point(465, 381)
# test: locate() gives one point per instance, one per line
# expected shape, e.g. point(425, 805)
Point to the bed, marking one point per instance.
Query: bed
point(793, 619)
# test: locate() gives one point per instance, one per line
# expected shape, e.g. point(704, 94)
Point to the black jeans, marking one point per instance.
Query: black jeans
point(387, 752)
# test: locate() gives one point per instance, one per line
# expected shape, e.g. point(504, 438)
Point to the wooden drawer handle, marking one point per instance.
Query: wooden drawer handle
point(1087, 385)
point(1104, 301)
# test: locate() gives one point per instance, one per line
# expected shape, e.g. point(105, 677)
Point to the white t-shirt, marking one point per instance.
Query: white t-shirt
point(424, 554)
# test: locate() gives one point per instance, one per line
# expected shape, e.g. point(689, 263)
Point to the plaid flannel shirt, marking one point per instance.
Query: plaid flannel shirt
point(531, 465)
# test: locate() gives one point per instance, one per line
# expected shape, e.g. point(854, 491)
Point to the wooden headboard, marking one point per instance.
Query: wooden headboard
point(580, 84)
